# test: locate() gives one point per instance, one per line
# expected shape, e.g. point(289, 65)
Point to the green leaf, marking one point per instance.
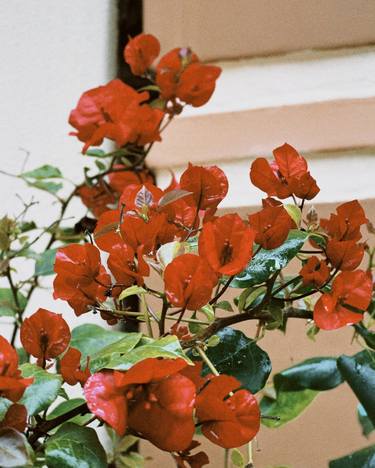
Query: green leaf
point(100, 165)
point(115, 350)
point(15, 451)
point(131, 291)
point(295, 213)
point(287, 406)
point(4, 406)
point(42, 392)
point(90, 339)
point(74, 446)
point(166, 347)
point(96, 152)
point(240, 357)
point(27, 226)
point(224, 305)
point(364, 421)
point(47, 186)
point(364, 458)
point(359, 372)
point(267, 262)
point(45, 262)
point(68, 405)
point(8, 306)
point(43, 172)
point(367, 335)
point(297, 386)
point(22, 356)
point(237, 458)
point(319, 374)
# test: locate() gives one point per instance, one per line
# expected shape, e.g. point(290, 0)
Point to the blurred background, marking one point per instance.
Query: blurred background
point(299, 71)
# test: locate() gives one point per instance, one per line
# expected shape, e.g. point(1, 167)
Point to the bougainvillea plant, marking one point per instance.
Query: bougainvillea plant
point(162, 262)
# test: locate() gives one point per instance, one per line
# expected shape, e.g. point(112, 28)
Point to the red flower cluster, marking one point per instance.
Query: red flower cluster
point(179, 73)
point(81, 280)
point(287, 175)
point(315, 272)
point(155, 399)
point(350, 296)
point(118, 112)
point(343, 228)
point(12, 385)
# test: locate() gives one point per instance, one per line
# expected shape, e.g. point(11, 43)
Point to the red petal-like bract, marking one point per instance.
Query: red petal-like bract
point(106, 400)
point(315, 272)
point(345, 225)
point(272, 226)
point(189, 281)
point(197, 83)
point(344, 255)
point(350, 289)
point(45, 335)
point(70, 367)
point(106, 232)
point(8, 358)
point(140, 52)
point(289, 161)
point(15, 417)
point(229, 422)
point(208, 185)
point(227, 244)
point(96, 198)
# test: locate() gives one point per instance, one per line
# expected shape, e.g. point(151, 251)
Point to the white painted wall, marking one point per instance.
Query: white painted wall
point(51, 52)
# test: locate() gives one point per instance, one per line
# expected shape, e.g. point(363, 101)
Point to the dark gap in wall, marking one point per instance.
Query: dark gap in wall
point(130, 23)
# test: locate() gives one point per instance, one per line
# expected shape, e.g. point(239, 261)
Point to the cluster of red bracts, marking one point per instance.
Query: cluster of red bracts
point(12, 386)
point(351, 291)
point(163, 400)
point(118, 112)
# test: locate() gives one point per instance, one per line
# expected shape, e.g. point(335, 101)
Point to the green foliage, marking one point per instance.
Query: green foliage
point(297, 386)
point(68, 405)
point(4, 406)
point(240, 357)
point(267, 262)
point(74, 446)
point(45, 262)
point(90, 339)
point(366, 334)
point(15, 451)
point(166, 347)
point(237, 458)
point(364, 458)
point(39, 178)
point(359, 372)
point(42, 392)
point(8, 306)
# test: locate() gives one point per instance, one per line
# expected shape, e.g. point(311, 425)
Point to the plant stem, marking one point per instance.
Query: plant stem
point(206, 359)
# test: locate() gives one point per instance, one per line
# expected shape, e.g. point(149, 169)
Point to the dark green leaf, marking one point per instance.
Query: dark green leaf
point(366, 334)
point(287, 406)
point(364, 421)
point(45, 262)
point(240, 357)
point(42, 392)
point(267, 262)
point(225, 305)
point(90, 339)
point(74, 446)
point(100, 165)
point(8, 306)
point(27, 226)
point(22, 356)
point(359, 372)
point(319, 374)
point(15, 451)
point(43, 172)
point(364, 458)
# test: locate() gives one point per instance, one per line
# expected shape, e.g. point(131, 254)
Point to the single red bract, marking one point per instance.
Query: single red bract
point(140, 52)
point(227, 244)
point(315, 272)
point(71, 370)
point(228, 422)
point(189, 281)
point(45, 335)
